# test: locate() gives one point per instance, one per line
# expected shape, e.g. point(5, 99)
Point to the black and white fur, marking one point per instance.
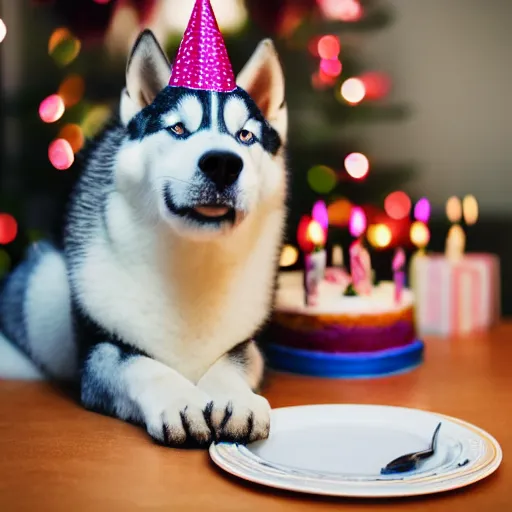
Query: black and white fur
point(169, 257)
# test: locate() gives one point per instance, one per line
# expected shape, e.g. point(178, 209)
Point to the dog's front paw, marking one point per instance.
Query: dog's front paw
point(180, 421)
point(240, 419)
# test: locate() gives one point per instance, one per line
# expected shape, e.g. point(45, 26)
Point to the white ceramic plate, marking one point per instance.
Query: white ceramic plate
point(339, 450)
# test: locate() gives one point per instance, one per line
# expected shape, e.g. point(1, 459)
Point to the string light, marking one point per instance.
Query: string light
point(328, 47)
point(357, 223)
point(422, 210)
point(357, 165)
point(376, 85)
point(289, 256)
point(3, 30)
point(63, 47)
point(8, 228)
point(331, 67)
point(51, 109)
point(322, 81)
point(397, 205)
point(322, 179)
point(61, 154)
point(343, 10)
point(353, 91)
point(470, 209)
point(339, 212)
point(71, 90)
point(74, 135)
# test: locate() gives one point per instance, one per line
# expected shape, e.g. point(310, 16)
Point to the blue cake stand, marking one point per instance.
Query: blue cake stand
point(349, 366)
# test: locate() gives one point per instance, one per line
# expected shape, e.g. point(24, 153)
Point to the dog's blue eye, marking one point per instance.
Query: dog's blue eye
point(178, 129)
point(246, 137)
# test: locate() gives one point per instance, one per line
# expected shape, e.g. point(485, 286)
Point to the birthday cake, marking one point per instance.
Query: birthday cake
point(342, 336)
point(342, 324)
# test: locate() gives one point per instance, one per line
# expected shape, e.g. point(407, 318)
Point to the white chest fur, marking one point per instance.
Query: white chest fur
point(186, 303)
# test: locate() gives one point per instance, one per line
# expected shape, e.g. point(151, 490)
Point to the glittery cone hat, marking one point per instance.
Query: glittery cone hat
point(202, 62)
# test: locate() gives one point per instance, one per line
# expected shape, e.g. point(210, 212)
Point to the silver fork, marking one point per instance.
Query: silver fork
point(411, 460)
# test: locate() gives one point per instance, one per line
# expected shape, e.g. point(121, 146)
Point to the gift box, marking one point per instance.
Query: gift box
point(456, 297)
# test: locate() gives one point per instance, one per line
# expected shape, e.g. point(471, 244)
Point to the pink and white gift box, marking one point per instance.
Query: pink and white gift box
point(456, 297)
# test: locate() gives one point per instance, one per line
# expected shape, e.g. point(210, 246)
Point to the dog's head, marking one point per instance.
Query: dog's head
point(202, 161)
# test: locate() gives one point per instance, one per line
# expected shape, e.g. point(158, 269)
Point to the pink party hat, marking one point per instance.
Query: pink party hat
point(202, 62)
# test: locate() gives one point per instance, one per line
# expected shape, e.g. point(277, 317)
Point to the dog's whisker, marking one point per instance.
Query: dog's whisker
point(174, 179)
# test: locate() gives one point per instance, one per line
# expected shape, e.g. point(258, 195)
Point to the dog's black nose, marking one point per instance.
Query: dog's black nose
point(222, 167)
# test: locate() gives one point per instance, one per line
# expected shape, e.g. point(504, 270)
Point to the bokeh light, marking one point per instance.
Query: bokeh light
point(331, 67)
point(420, 234)
point(63, 46)
point(322, 179)
point(397, 205)
point(51, 109)
point(289, 256)
point(61, 154)
point(454, 209)
point(343, 10)
point(339, 213)
point(357, 223)
point(71, 90)
point(322, 81)
point(328, 47)
point(3, 30)
point(379, 235)
point(74, 135)
point(422, 210)
point(470, 209)
point(357, 165)
point(319, 213)
point(353, 90)
point(102, 2)
point(5, 262)
point(313, 45)
point(376, 85)
point(95, 120)
point(8, 228)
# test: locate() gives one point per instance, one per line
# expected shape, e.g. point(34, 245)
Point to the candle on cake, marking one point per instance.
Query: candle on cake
point(419, 235)
point(360, 268)
point(311, 237)
point(399, 273)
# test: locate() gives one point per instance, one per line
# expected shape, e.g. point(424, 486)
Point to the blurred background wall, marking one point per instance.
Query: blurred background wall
point(450, 60)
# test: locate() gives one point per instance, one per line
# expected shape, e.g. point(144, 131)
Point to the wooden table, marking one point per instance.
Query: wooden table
point(56, 456)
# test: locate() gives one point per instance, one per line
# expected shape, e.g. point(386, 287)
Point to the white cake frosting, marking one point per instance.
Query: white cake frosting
point(290, 298)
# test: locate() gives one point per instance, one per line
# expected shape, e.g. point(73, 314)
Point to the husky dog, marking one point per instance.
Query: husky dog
point(169, 256)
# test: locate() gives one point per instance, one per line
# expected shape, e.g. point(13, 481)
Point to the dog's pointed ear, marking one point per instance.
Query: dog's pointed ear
point(147, 71)
point(263, 79)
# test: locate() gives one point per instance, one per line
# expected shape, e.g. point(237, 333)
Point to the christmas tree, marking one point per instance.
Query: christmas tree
point(329, 90)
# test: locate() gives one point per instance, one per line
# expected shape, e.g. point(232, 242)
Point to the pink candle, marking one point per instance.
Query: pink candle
point(398, 273)
point(360, 268)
